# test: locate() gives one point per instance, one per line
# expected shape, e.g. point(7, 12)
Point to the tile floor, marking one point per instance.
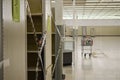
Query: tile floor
point(104, 64)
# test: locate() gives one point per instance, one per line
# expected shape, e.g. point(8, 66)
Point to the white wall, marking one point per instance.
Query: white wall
point(68, 30)
point(98, 30)
point(105, 30)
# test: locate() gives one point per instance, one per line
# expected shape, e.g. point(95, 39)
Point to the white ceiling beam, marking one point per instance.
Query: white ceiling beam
point(77, 7)
point(92, 1)
point(93, 22)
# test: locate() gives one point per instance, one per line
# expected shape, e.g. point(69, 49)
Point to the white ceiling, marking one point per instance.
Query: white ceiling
point(91, 9)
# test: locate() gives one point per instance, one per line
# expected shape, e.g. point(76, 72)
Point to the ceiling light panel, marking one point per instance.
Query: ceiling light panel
point(93, 9)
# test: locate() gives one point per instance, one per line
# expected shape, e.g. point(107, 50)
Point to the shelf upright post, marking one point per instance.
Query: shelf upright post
point(46, 7)
point(1, 43)
point(59, 25)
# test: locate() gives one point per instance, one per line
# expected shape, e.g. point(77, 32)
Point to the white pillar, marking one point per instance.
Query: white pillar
point(48, 46)
point(59, 24)
point(93, 22)
point(59, 12)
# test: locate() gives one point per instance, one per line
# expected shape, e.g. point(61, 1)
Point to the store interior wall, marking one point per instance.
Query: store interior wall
point(98, 30)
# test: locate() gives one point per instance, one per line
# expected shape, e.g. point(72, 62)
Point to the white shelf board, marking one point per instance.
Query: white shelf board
point(32, 51)
point(33, 69)
point(33, 32)
point(36, 14)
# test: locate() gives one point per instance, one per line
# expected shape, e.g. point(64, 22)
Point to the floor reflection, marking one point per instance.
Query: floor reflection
point(103, 65)
point(86, 64)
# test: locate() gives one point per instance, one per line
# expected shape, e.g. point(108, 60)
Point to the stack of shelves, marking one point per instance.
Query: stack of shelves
point(53, 35)
point(32, 49)
point(53, 42)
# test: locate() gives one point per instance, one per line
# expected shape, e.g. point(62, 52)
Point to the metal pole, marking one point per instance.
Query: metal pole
point(1, 43)
point(74, 41)
point(58, 38)
point(59, 65)
point(84, 33)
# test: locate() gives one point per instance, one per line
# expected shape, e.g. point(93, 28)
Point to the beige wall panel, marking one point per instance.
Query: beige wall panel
point(98, 30)
point(105, 30)
point(68, 30)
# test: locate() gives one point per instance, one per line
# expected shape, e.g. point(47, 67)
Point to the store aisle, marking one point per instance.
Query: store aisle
point(104, 64)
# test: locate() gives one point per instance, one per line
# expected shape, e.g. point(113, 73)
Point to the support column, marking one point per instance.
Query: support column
point(48, 47)
point(1, 43)
point(84, 33)
point(59, 12)
point(59, 24)
point(59, 46)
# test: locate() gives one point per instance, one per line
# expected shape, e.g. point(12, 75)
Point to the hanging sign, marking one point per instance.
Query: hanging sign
point(16, 10)
point(49, 24)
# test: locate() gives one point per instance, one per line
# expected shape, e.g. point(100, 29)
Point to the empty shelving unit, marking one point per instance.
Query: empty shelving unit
point(32, 48)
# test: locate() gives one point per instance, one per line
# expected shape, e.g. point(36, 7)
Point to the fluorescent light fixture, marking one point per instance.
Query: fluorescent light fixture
point(53, 1)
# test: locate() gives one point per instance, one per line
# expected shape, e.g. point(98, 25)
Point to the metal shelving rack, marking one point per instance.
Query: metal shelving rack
point(1, 42)
point(32, 48)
